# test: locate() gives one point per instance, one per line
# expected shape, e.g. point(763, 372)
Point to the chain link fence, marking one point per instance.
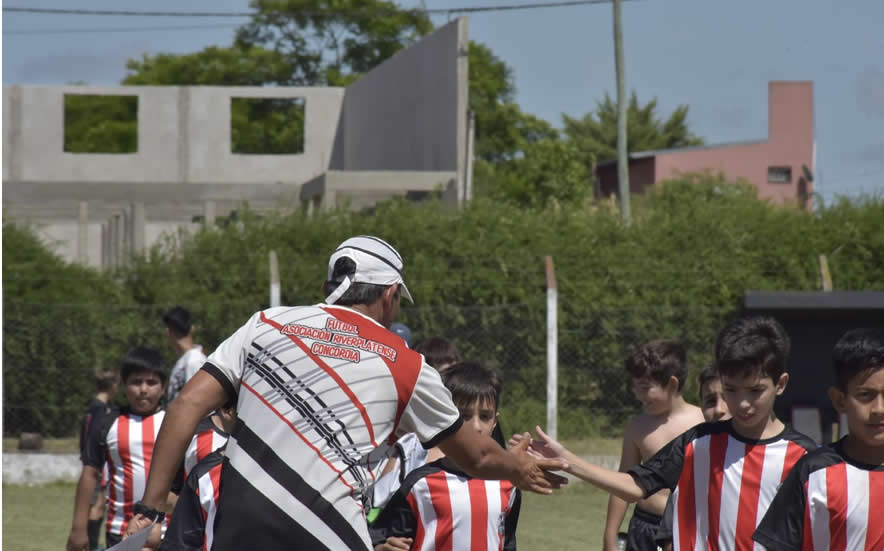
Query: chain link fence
point(51, 353)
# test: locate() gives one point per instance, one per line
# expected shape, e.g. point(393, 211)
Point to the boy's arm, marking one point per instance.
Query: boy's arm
point(629, 457)
point(620, 484)
point(78, 540)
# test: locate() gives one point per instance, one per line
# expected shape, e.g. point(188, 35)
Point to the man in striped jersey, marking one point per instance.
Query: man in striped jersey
point(124, 442)
point(725, 474)
point(438, 507)
point(829, 499)
point(321, 393)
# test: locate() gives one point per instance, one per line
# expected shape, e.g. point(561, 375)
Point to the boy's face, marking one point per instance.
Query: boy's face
point(750, 399)
point(863, 403)
point(655, 398)
point(144, 389)
point(712, 402)
point(482, 416)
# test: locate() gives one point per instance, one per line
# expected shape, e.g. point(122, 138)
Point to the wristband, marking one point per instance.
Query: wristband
point(154, 515)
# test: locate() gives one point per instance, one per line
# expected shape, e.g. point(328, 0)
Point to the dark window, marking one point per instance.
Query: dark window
point(267, 126)
point(100, 124)
point(779, 175)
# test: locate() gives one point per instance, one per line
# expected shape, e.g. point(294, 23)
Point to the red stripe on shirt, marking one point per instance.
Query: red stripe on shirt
point(301, 436)
point(438, 486)
point(836, 502)
point(331, 373)
point(204, 441)
point(111, 492)
point(148, 435)
point(717, 452)
point(478, 515)
point(126, 460)
point(875, 530)
point(419, 534)
point(794, 452)
point(750, 489)
point(407, 365)
point(687, 510)
point(807, 534)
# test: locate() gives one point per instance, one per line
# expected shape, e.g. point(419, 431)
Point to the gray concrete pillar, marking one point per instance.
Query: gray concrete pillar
point(105, 245)
point(209, 213)
point(328, 200)
point(118, 240)
point(139, 221)
point(83, 234)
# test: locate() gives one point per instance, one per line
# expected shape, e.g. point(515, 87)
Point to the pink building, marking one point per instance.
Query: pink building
point(781, 167)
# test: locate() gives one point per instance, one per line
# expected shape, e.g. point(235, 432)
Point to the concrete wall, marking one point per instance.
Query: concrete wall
point(410, 112)
point(183, 137)
point(790, 144)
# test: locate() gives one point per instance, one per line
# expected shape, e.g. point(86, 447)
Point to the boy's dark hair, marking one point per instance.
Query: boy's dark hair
point(751, 346)
point(438, 352)
point(106, 378)
point(707, 375)
point(357, 293)
point(857, 352)
point(658, 360)
point(142, 358)
point(178, 321)
point(469, 382)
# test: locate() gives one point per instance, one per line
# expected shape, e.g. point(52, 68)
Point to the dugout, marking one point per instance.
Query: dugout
point(815, 321)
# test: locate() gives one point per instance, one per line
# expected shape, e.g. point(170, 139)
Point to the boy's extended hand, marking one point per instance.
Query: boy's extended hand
point(544, 448)
point(534, 471)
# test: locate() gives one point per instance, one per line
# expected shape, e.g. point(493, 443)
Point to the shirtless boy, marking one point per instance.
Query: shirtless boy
point(658, 370)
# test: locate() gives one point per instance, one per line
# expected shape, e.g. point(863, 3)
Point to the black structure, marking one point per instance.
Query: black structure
point(815, 321)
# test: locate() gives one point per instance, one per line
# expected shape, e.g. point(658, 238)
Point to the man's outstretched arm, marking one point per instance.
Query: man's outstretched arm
point(199, 397)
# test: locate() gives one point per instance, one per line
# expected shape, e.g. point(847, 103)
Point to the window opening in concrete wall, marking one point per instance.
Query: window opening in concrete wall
point(100, 124)
point(267, 126)
point(779, 175)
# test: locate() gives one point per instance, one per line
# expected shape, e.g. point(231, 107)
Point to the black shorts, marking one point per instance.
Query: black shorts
point(642, 531)
point(112, 539)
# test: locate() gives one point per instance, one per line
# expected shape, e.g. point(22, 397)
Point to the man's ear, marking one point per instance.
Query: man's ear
point(838, 398)
point(389, 292)
point(781, 383)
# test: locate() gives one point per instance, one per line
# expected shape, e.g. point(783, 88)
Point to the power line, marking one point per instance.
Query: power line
point(33, 32)
point(329, 13)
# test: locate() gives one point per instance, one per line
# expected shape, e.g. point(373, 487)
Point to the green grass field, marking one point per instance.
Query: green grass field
point(39, 517)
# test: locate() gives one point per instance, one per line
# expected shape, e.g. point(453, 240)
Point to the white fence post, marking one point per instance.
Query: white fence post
point(552, 352)
point(274, 281)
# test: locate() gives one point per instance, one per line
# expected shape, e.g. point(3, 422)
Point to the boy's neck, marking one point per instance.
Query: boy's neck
point(860, 452)
point(434, 454)
point(770, 428)
point(184, 344)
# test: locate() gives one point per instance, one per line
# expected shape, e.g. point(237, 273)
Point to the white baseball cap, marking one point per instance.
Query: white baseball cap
point(376, 262)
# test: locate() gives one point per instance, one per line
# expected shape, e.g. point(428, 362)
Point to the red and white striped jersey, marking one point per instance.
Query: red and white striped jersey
point(207, 439)
point(722, 483)
point(193, 520)
point(828, 502)
point(444, 509)
point(125, 444)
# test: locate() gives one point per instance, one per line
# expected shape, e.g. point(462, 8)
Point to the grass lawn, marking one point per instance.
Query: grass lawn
point(39, 518)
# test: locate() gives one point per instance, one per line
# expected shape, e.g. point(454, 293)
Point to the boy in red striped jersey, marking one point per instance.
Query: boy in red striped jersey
point(829, 498)
point(440, 508)
point(125, 443)
point(723, 475)
point(193, 520)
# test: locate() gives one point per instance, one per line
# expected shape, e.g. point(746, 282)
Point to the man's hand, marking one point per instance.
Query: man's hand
point(534, 475)
point(78, 540)
point(395, 544)
point(140, 522)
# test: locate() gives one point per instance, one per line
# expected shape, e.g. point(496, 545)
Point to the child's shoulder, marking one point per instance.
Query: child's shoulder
point(798, 438)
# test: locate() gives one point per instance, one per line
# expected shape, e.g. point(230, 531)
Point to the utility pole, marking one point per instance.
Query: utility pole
point(622, 161)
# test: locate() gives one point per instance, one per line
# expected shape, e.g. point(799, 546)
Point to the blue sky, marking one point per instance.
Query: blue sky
point(714, 55)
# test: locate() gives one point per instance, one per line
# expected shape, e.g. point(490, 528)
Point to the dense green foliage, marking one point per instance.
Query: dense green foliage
point(679, 271)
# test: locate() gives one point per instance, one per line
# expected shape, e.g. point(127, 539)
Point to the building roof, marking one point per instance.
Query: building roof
point(655, 152)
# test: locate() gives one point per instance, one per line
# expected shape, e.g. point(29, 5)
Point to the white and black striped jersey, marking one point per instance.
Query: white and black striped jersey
point(322, 392)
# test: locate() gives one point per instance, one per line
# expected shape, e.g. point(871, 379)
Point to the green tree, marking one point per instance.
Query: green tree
point(331, 42)
point(595, 134)
point(100, 124)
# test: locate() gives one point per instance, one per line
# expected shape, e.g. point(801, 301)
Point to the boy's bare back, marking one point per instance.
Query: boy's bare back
point(647, 434)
